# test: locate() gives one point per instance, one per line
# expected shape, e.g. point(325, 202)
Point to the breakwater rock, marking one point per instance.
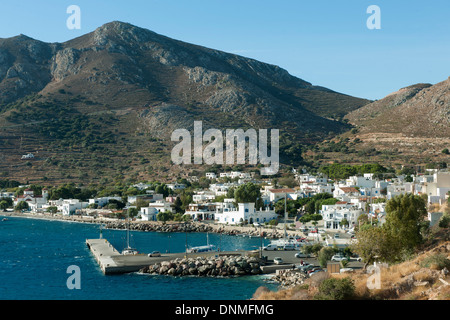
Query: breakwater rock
point(190, 227)
point(289, 278)
point(157, 227)
point(223, 266)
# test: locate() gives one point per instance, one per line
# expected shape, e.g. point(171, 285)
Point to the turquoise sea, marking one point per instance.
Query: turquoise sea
point(35, 255)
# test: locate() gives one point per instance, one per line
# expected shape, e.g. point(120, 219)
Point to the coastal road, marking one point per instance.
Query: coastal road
point(289, 258)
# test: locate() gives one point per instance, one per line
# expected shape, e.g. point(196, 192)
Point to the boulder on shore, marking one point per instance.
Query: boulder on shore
point(223, 266)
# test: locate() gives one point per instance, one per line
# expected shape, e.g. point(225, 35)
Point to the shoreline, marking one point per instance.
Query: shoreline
point(171, 226)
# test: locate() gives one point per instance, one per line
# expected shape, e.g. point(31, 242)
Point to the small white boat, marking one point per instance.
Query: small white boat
point(207, 248)
point(129, 251)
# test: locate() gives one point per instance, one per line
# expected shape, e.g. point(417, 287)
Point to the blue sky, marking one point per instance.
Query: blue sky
point(325, 42)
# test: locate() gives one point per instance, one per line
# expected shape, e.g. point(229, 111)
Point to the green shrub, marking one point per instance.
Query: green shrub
point(445, 221)
point(437, 261)
point(336, 289)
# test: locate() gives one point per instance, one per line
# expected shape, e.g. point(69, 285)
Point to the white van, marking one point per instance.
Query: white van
point(271, 247)
point(289, 246)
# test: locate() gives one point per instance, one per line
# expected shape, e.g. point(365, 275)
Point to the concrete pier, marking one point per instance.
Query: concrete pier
point(112, 262)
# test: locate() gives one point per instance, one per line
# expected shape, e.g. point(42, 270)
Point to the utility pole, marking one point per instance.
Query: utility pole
point(285, 217)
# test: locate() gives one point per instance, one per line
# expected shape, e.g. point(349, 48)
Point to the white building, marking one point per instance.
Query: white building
point(203, 196)
point(176, 186)
point(102, 201)
point(220, 189)
point(277, 194)
point(201, 211)
point(434, 217)
point(150, 197)
point(149, 213)
point(334, 214)
point(438, 189)
point(246, 212)
point(361, 181)
point(211, 175)
point(70, 206)
point(345, 193)
point(34, 202)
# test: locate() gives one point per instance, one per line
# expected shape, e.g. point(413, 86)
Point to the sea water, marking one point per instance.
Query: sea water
point(35, 255)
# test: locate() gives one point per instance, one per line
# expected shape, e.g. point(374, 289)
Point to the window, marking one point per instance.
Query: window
point(246, 210)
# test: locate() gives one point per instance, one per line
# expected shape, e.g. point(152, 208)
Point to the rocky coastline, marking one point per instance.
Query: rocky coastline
point(222, 266)
point(155, 226)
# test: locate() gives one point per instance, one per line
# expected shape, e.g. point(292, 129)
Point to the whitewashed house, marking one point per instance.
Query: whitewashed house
point(151, 197)
point(176, 186)
point(438, 189)
point(70, 206)
point(211, 175)
point(149, 213)
point(345, 193)
point(201, 211)
point(334, 214)
point(277, 194)
point(34, 202)
point(102, 201)
point(203, 196)
point(246, 212)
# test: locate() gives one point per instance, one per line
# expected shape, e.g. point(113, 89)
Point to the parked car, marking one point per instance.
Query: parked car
point(305, 269)
point(338, 258)
point(313, 269)
point(316, 271)
point(336, 236)
point(271, 247)
point(277, 260)
point(356, 257)
point(155, 254)
point(302, 255)
point(289, 246)
point(304, 265)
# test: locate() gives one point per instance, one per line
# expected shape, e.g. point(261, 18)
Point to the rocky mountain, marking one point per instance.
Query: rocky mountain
point(418, 110)
point(409, 126)
point(109, 100)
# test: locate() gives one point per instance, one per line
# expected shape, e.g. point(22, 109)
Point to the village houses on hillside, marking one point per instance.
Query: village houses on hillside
point(355, 195)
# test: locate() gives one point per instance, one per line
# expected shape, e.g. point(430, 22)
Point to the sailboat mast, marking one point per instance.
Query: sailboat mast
point(285, 216)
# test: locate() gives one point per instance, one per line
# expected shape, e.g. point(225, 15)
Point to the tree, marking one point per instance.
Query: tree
point(376, 244)
point(325, 254)
point(8, 201)
point(248, 192)
point(344, 222)
point(336, 289)
point(3, 205)
point(445, 151)
point(163, 189)
point(177, 205)
point(164, 216)
point(444, 222)
point(404, 216)
point(52, 209)
point(22, 205)
point(132, 212)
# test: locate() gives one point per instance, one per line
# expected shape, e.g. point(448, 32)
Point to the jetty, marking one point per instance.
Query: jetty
point(112, 261)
